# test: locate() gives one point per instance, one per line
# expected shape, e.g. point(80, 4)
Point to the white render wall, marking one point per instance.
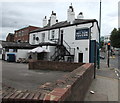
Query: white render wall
point(0, 53)
point(22, 53)
point(95, 33)
point(69, 37)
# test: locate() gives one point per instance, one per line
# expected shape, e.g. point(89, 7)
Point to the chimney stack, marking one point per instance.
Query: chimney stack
point(53, 19)
point(44, 21)
point(80, 16)
point(70, 14)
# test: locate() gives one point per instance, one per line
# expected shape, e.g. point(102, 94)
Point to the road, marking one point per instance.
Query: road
point(18, 76)
point(114, 61)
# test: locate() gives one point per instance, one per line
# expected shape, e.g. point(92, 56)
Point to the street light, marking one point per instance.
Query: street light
point(99, 36)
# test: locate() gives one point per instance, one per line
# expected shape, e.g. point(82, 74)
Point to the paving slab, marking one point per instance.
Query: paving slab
point(105, 87)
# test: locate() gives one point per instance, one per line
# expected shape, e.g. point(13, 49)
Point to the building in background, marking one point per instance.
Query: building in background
point(15, 51)
point(10, 37)
point(105, 39)
point(22, 35)
point(73, 40)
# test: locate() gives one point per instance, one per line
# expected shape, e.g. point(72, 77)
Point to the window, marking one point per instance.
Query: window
point(61, 31)
point(14, 50)
point(53, 34)
point(6, 49)
point(43, 37)
point(33, 36)
point(22, 32)
point(0, 50)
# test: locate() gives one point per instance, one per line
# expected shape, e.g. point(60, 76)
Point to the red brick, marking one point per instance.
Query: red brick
point(56, 99)
point(31, 96)
point(8, 96)
point(61, 81)
point(47, 97)
point(87, 65)
point(15, 94)
point(60, 90)
point(37, 95)
point(56, 93)
point(20, 95)
point(25, 95)
point(42, 96)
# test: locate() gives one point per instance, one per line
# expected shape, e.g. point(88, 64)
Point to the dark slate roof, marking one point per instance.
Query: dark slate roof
point(45, 44)
point(65, 24)
point(10, 34)
point(16, 45)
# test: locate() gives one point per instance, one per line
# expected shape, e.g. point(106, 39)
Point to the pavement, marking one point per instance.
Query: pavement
point(106, 86)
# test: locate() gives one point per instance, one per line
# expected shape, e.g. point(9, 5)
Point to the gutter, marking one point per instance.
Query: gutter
point(68, 25)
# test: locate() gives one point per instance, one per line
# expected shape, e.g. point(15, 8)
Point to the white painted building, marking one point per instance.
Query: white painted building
point(15, 51)
point(107, 38)
point(76, 39)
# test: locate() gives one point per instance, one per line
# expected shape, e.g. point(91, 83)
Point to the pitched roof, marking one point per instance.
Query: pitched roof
point(16, 45)
point(65, 24)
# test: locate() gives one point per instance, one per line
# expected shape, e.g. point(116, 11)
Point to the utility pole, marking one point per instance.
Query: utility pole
point(99, 36)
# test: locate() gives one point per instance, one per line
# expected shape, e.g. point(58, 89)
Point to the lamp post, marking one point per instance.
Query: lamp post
point(99, 36)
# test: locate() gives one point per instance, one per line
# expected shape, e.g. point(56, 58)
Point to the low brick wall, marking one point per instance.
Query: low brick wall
point(71, 87)
point(48, 65)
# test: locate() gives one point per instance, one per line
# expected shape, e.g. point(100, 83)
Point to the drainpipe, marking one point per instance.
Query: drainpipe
point(95, 51)
point(59, 37)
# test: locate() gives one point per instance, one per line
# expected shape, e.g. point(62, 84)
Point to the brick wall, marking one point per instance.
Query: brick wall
point(71, 87)
point(23, 34)
point(10, 37)
point(48, 65)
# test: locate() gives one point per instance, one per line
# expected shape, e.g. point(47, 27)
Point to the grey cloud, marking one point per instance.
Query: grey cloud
point(16, 15)
point(19, 14)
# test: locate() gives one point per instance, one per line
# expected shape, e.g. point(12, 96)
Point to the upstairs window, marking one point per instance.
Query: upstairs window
point(53, 34)
point(43, 37)
point(33, 36)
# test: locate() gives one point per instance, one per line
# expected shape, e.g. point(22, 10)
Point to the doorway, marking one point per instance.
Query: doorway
point(80, 57)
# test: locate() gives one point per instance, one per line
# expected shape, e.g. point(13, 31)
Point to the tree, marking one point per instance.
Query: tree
point(115, 38)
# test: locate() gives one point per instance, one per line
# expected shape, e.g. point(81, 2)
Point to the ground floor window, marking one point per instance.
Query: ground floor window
point(42, 56)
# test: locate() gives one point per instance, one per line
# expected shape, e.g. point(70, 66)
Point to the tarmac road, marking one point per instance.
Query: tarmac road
point(18, 76)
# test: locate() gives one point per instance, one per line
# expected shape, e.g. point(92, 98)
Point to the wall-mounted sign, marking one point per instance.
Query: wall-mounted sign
point(82, 34)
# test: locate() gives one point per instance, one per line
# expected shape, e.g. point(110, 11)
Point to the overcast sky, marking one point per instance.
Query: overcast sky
point(16, 15)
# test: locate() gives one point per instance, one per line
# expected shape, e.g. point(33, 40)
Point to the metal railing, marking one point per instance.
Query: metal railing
point(69, 49)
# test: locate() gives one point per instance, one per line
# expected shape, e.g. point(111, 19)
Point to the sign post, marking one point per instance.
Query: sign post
point(108, 59)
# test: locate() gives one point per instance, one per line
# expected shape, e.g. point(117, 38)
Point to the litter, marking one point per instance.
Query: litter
point(92, 92)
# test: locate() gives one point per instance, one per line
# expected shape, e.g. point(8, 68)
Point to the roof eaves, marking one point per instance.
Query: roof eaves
point(65, 25)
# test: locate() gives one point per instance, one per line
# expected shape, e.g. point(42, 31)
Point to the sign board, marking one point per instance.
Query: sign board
point(82, 34)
